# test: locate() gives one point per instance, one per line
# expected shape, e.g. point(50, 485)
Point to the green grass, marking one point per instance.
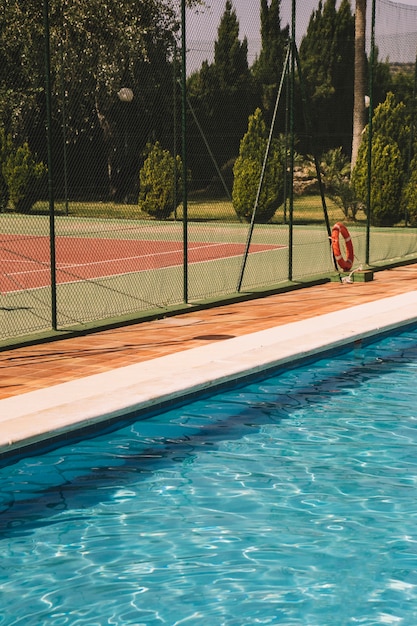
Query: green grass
point(307, 210)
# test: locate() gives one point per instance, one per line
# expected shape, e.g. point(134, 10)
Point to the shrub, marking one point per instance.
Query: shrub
point(390, 142)
point(160, 177)
point(386, 181)
point(5, 151)
point(335, 167)
point(392, 121)
point(4, 193)
point(410, 194)
point(25, 178)
point(247, 173)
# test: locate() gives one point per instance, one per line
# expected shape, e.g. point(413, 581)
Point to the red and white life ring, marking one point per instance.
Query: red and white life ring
point(343, 263)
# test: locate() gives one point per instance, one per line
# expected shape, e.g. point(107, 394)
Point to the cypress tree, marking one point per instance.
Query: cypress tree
point(230, 54)
point(327, 61)
point(269, 66)
point(390, 140)
point(222, 95)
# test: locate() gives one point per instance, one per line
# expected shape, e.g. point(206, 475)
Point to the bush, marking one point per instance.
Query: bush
point(386, 181)
point(335, 167)
point(247, 173)
point(25, 178)
point(410, 194)
point(392, 121)
point(160, 177)
point(5, 151)
point(390, 141)
point(4, 193)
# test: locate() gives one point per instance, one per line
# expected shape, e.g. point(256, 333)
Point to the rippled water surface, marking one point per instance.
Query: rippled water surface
point(290, 501)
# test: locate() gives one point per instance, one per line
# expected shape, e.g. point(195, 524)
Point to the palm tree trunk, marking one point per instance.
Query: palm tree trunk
point(359, 111)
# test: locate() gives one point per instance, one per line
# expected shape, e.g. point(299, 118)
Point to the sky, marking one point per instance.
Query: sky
point(393, 20)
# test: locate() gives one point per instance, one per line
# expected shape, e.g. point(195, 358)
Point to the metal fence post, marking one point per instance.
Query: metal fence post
point(371, 111)
point(50, 163)
point(184, 150)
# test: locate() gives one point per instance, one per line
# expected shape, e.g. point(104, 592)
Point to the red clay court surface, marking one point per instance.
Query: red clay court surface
point(25, 259)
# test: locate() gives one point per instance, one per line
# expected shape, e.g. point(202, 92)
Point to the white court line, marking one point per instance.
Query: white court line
point(79, 279)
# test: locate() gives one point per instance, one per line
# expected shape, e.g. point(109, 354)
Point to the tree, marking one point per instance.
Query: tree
point(326, 56)
point(248, 169)
point(97, 48)
point(269, 66)
point(391, 121)
point(390, 141)
point(6, 148)
point(160, 182)
point(386, 178)
point(24, 177)
point(410, 194)
point(222, 95)
point(335, 167)
point(359, 89)
point(230, 54)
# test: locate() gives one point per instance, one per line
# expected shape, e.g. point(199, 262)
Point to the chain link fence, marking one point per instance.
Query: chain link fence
point(130, 204)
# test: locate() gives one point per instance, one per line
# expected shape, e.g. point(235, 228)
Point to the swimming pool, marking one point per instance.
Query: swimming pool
point(291, 500)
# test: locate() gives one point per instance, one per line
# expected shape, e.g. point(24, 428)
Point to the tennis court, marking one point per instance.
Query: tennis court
point(25, 260)
point(109, 268)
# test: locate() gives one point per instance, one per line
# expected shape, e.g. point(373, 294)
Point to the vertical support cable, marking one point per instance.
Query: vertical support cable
point(206, 143)
point(184, 152)
point(371, 110)
point(309, 130)
point(263, 171)
point(50, 164)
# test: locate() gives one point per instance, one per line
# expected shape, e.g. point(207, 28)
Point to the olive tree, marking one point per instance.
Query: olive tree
point(97, 48)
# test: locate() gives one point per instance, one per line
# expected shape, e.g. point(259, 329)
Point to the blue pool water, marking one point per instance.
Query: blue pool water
point(292, 500)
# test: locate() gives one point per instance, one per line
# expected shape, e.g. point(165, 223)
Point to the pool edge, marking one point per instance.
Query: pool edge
point(36, 417)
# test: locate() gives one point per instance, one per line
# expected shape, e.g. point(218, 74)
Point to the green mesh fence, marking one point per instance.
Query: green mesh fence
point(154, 188)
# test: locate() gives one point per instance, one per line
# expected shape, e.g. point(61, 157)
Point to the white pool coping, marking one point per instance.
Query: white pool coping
point(37, 416)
